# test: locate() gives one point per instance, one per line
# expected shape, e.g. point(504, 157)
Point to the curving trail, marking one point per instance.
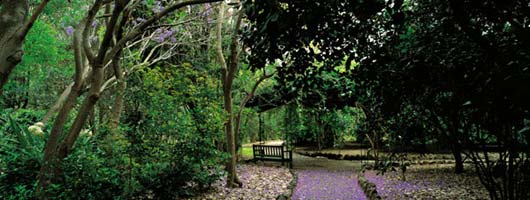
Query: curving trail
point(324, 179)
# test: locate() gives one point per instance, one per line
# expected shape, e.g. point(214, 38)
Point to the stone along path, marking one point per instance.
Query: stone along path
point(321, 178)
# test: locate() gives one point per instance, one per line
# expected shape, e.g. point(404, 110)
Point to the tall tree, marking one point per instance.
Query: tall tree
point(108, 51)
point(228, 73)
point(463, 66)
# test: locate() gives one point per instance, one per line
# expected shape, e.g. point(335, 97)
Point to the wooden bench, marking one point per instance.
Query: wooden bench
point(277, 153)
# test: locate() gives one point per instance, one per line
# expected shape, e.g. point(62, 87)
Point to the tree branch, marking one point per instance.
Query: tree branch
point(219, 42)
point(234, 52)
point(27, 26)
point(88, 21)
point(144, 25)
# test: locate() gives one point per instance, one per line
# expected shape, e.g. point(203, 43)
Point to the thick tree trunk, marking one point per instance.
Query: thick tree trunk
point(13, 17)
point(118, 105)
point(115, 115)
point(14, 26)
point(82, 116)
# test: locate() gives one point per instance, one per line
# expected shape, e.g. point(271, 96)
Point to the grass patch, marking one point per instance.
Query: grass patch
point(246, 152)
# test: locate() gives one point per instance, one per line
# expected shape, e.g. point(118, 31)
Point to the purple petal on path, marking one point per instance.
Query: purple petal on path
point(327, 184)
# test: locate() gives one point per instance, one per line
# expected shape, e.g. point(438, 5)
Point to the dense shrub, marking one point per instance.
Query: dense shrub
point(177, 170)
point(137, 167)
point(19, 156)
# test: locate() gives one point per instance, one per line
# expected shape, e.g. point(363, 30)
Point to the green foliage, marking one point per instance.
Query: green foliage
point(179, 174)
point(20, 156)
point(167, 146)
point(44, 67)
point(161, 155)
point(62, 12)
point(175, 147)
point(192, 95)
point(137, 169)
point(91, 174)
point(43, 47)
point(326, 128)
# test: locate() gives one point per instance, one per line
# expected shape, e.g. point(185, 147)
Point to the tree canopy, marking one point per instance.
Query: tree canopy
point(145, 98)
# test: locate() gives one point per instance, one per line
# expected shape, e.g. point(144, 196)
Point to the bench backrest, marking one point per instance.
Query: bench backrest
point(268, 150)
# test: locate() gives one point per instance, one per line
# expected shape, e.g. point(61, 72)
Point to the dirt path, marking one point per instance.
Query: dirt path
point(321, 178)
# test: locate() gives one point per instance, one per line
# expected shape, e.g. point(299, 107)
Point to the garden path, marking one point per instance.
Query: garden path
point(321, 178)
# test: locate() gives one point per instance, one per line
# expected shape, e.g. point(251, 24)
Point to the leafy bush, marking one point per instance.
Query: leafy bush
point(138, 167)
point(177, 166)
point(179, 178)
point(20, 156)
point(173, 150)
point(90, 173)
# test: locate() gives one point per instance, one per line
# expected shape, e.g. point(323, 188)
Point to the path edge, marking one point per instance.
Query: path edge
point(369, 188)
point(290, 189)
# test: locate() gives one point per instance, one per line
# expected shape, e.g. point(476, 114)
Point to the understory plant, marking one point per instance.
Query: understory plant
point(137, 167)
point(20, 155)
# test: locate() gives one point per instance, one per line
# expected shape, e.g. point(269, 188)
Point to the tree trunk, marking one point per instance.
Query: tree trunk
point(237, 132)
point(115, 115)
point(230, 139)
point(14, 26)
point(118, 106)
point(456, 148)
point(64, 95)
point(54, 151)
point(120, 93)
point(49, 168)
point(13, 16)
point(459, 162)
point(84, 111)
point(228, 75)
